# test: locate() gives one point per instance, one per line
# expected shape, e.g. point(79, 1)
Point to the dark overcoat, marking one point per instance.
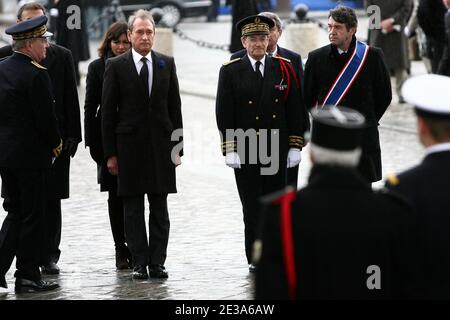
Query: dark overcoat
point(393, 44)
point(59, 64)
point(137, 128)
point(28, 128)
point(340, 228)
point(92, 123)
point(427, 187)
point(370, 94)
point(239, 10)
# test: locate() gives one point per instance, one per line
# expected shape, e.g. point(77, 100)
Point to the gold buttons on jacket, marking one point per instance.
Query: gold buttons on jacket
point(250, 102)
point(257, 118)
point(276, 100)
point(274, 116)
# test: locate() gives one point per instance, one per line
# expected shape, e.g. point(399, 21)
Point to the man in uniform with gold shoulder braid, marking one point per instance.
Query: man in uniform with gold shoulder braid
point(258, 116)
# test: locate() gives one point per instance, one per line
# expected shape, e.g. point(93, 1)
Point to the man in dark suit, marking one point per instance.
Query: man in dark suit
point(427, 186)
point(273, 49)
point(29, 138)
point(430, 15)
point(260, 119)
point(59, 64)
point(239, 10)
point(141, 110)
point(336, 238)
point(365, 86)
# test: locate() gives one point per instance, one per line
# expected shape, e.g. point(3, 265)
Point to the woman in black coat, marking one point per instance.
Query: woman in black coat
point(114, 43)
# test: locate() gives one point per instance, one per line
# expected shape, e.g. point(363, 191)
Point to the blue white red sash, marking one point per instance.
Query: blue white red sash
point(348, 75)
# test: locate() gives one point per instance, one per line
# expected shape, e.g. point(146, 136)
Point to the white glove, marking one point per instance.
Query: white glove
point(294, 157)
point(232, 160)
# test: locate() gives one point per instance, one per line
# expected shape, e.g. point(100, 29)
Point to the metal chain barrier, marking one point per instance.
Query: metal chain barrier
point(201, 43)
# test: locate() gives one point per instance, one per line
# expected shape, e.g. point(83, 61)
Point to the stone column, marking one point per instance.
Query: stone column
point(302, 37)
point(164, 41)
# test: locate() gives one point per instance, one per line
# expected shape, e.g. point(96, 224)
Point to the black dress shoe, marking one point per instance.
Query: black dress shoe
point(139, 272)
point(158, 271)
point(50, 268)
point(121, 258)
point(24, 285)
point(3, 283)
point(252, 268)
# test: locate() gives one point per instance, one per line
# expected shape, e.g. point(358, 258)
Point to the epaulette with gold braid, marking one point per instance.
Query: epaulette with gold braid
point(34, 63)
point(281, 58)
point(393, 180)
point(230, 62)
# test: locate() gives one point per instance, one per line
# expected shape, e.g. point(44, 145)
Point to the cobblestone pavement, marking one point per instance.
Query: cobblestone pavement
point(206, 248)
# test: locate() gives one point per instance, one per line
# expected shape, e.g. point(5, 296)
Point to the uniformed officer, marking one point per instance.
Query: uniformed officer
point(427, 185)
point(29, 138)
point(258, 116)
point(336, 238)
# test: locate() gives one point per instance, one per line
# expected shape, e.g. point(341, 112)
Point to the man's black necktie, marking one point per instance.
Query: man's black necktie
point(144, 75)
point(258, 70)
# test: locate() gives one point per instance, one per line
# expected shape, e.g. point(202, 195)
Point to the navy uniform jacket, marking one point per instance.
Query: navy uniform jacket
point(59, 64)
point(241, 105)
point(370, 94)
point(297, 64)
point(340, 228)
point(28, 127)
point(427, 187)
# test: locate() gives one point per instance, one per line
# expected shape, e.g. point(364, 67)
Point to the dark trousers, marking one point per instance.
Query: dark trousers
point(155, 250)
point(21, 233)
point(251, 187)
point(52, 231)
point(116, 218)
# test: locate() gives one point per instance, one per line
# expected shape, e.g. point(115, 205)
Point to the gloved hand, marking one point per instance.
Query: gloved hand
point(70, 146)
point(232, 160)
point(294, 157)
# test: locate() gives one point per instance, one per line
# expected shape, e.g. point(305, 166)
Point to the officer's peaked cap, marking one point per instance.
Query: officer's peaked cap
point(430, 95)
point(254, 25)
point(337, 128)
point(29, 29)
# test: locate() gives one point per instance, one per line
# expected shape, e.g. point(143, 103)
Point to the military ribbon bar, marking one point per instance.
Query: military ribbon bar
point(348, 75)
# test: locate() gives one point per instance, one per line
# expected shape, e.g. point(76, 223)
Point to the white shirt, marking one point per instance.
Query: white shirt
point(341, 51)
point(273, 54)
point(261, 67)
point(438, 148)
point(138, 63)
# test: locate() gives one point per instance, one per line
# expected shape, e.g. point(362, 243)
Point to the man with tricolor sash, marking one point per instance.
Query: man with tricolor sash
point(348, 72)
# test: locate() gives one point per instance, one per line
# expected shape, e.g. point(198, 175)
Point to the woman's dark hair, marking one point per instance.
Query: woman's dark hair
point(344, 15)
point(113, 34)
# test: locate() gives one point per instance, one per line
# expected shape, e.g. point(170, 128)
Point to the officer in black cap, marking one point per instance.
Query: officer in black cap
point(427, 185)
point(258, 114)
point(60, 67)
point(336, 238)
point(29, 139)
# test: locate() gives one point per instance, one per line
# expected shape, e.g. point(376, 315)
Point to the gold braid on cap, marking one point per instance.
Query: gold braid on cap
point(255, 27)
point(36, 33)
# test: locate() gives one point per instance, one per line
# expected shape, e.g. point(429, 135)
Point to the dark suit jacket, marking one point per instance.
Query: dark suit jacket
point(444, 67)
point(59, 64)
point(137, 128)
point(28, 128)
point(427, 187)
point(340, 227)
point(370, 94)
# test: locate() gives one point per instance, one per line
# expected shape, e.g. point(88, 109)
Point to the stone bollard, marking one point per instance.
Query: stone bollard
point(164, 41)
point(302, 37)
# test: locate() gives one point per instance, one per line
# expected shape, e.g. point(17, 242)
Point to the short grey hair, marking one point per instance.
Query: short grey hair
point(274, 17)
point(20, 44)
point(140, 14)
point(325, 156)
